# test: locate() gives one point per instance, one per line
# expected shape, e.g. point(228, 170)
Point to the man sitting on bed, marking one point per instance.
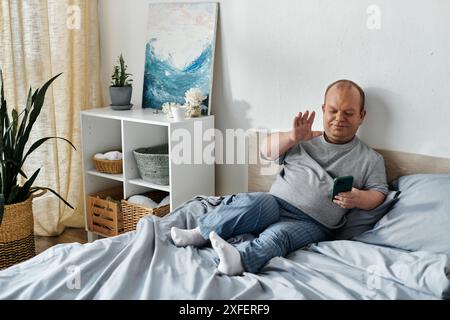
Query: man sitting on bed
point(297, 210)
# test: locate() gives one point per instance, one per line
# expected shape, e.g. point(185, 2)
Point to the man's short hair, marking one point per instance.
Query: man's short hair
point(345, 84)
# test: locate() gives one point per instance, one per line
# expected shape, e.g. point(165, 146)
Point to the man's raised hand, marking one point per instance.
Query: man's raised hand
point(301, 127)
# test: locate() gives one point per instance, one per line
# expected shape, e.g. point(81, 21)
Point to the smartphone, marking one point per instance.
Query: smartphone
point(342, 184)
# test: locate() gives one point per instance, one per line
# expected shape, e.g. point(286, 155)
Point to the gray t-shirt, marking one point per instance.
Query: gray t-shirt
point(309, 168)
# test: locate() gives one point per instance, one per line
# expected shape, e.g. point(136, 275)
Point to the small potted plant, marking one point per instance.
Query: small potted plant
point(16, 211)
point(121, 89)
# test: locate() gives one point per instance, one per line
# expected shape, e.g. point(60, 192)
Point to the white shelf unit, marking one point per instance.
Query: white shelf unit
point(104, 129)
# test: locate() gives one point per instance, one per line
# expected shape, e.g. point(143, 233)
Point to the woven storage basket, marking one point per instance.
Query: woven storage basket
point(153, 164)
point(132, 213)
point(108, 166)
point(105, 216)
point(17, 234)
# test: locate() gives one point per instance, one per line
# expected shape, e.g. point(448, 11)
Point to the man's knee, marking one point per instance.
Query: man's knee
point(259, 202)
point(262, 197)
point(266, 205)
point(254, 197)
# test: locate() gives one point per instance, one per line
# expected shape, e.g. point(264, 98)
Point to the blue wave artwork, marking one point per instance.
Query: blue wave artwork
point(165, 83)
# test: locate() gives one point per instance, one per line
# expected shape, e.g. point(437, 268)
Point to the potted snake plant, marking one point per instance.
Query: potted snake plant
point(121, 89)
point(16, 194)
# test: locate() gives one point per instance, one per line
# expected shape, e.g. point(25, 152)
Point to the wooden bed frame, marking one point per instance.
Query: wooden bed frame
point(397, 164)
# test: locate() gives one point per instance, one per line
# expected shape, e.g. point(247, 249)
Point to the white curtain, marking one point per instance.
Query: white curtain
point(39, 39)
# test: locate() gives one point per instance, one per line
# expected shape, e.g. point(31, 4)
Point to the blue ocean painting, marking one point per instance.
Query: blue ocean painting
point(179, 56)
point(165, 83)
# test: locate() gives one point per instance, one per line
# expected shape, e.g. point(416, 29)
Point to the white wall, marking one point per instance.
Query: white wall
point(274, 58)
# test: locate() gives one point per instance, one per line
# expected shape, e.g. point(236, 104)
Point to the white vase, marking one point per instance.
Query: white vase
point(178, 113)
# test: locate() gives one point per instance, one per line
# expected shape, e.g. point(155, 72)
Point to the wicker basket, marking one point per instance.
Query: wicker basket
point(132, 212)
point(153, 164)
point(17, 234)
point(108, 166)
point(105, 215)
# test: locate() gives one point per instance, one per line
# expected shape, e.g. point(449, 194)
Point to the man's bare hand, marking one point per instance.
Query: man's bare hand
point(348, 200)
point(301, 127)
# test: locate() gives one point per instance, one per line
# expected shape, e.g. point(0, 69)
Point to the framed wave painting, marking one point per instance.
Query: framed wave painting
point(179, 52)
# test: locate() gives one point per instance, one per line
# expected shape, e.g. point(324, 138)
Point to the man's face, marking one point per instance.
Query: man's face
point(342, 114)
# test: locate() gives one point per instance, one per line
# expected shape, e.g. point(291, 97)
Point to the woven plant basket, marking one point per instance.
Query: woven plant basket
point(108, 166)
point(17, 234)
point(132, 212)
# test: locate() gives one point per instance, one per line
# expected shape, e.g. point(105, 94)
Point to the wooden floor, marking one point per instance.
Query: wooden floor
point(68, 236)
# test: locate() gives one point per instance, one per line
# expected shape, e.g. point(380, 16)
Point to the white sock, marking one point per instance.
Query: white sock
point(230, 259)
point(183, 238)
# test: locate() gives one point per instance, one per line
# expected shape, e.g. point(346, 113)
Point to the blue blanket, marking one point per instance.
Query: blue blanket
point(145, 264)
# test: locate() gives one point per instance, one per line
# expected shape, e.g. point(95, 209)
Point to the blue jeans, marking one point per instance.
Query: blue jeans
point(279, 227)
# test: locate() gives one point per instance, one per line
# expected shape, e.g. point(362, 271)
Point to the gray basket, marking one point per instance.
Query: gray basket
point(153, 164)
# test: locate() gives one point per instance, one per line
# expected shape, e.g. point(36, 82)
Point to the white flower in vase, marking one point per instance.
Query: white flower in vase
point(194, 98)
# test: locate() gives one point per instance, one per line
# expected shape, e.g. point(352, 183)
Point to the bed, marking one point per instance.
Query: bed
point(145, 264)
